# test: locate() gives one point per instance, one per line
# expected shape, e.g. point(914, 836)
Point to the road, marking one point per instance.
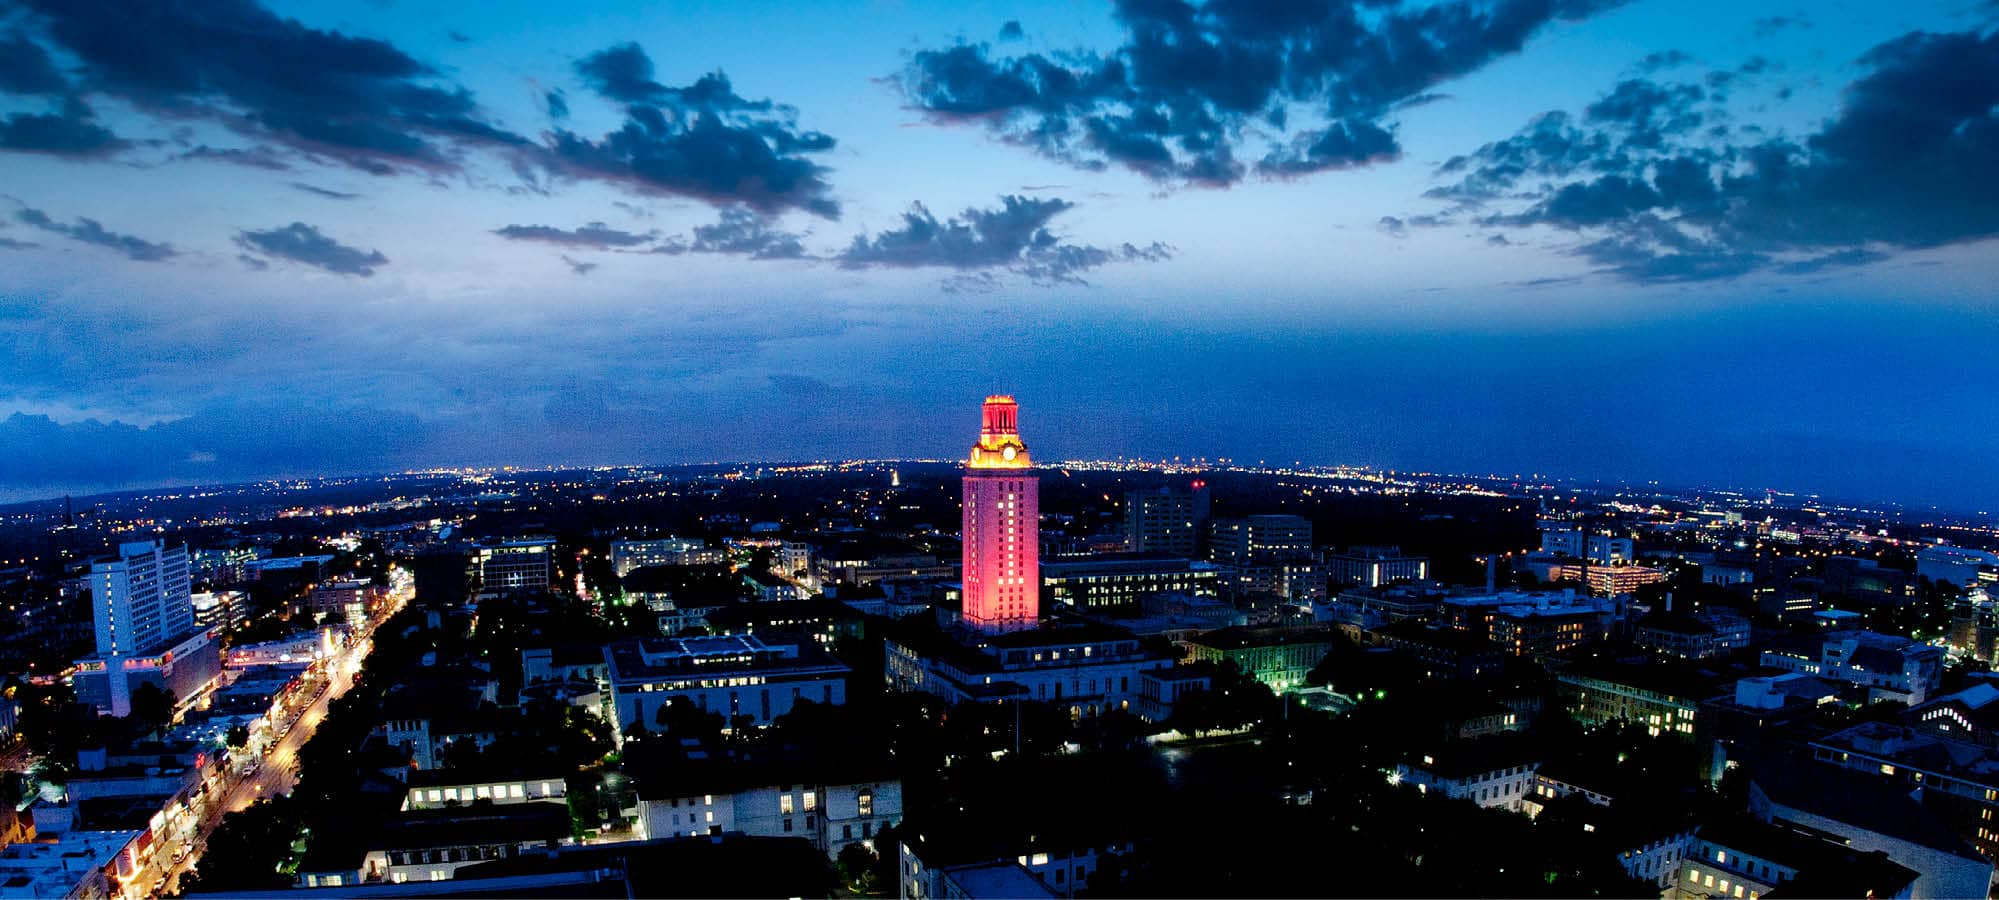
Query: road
point(276, 775)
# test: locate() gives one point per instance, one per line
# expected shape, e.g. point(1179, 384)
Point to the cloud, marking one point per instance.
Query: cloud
point(69, 131)
point(577, 266)
point(1013, 237)
point(1663, 59)
point(251, 262)
point(1012, 31)
point(1197, 87)
point(323, 192)
point(224, 441)
point(303, 243)
point(359, 101)
point(701, 141)
point(90, 232)
point(11, 244)
point(258, 157)
point(1904, 164)
point(1393, 226)
point(595, 236)
point(1770, 25)
point(558, 104)
point(26, 69)
point(743, 232)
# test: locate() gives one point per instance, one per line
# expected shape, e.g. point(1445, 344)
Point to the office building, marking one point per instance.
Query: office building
point(1167, 520)
point(1002, 525)
point(1373, 567)
point(1884, 666)
point(1278, 657)
point(734, 676)
point(1123, 581)
point(1239, 542)
point(502, 567)
point(1956, 566)
point(672, 551)
point(143, 599)
point(220, 609)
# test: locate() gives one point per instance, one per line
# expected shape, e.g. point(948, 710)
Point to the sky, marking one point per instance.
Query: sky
point(1724, 243)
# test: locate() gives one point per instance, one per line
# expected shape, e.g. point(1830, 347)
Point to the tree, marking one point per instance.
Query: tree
point(238, 736)
point(152, 709)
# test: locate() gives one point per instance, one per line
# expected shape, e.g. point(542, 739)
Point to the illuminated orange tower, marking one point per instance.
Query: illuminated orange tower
point(1002, 533)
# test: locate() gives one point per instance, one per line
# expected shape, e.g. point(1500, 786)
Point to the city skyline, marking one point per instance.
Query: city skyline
point(1738, 245)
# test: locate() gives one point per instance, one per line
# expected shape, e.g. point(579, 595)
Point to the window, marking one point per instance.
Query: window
point(711, 815)
point(846, 832)
point(811, 800)
point(866, 802)
point(787, 826)
point(784, 806)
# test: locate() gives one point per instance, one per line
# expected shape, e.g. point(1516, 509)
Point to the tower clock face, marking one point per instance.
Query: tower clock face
point(1008, 452)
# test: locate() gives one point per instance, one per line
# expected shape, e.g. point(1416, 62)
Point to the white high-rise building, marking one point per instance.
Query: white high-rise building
point(143, 600)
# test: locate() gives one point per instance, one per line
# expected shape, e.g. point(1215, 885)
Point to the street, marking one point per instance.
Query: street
point(274, 776)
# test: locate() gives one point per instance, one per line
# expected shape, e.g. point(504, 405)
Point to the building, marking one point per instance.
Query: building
point(734, 676)
point(1278, 657)
point(502, 567)
point(143, 599)
point(1664, 698)
point(1606, 580)
point(1697, 636)
point(1532, 623)
point(670, 551)
point(1887, 667)
point(76, 865)
point(442, 788)
point(1496, 773)
point(1872, 816)
point(347, 600)
point(1373, 567)
point(1443, 652)
point(1167, 520)
point(1601, 549)
point(220, 609)
point(1948, 749)
point(1745, 858)
point(1958, 566)
point(182, 669)
point(834, 804)
point(1002, 525)
point(1087, 666)
point(1238, 542)
point(1123, 582)
point(424, 845)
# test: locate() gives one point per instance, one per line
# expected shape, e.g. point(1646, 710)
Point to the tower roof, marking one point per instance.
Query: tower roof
point(999, 445)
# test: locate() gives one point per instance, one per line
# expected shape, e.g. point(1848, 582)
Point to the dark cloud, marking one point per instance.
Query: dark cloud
point(595, 235)
point(1194, 86)
point(303, 243)
point(89, 231)
point(355, 100)
point(25, 68)
point(558, 104)
point(1904, 164)
point(1014, 237)
point(1664, 59)
point(328, 193)
point(702, 141)
point(259, 157)
point(232, 441)
point(743, 232)
point(11, 244)
point(1770, 25)
point(1649, 112)
point(1012, 31)
point(69, 131)
point(578, 266)
point(458, 37)
point(1394, 226)
point(251, 262)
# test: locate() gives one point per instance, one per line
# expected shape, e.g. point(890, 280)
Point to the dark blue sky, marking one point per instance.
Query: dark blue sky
point(1722, 242)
